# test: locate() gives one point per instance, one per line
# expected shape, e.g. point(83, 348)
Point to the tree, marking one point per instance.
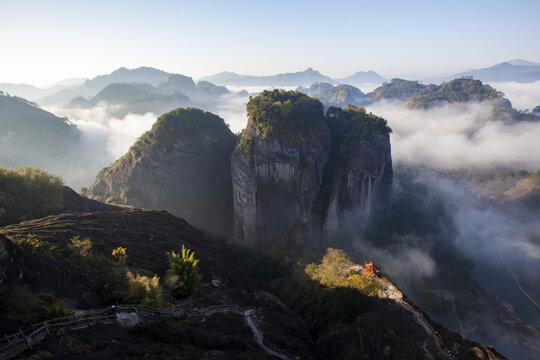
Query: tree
point(183, 273)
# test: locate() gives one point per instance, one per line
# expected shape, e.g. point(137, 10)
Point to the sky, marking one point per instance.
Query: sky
point(43, 42)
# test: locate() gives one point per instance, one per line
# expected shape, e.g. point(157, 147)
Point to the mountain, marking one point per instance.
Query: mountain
point(296, 171)
point(22, 90)
point(520, 71)
point(396, 89)
point(362, 78)
point(146, 75)
point(336, 95)
point(413, 94)
point(32, 136)
point(456, 91)
point(522, 62)
point(302, 78)
point(181, 165)
point(61, 97)
point(141, 98)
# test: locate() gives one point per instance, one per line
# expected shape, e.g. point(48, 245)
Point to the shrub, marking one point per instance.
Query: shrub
point(143, 289)
point(334, 271)
point(365, 284)
point(19, 305)
point(119, 255)
point(183, 273)
point(82, 246)
point(30, 244)
point(331, 269)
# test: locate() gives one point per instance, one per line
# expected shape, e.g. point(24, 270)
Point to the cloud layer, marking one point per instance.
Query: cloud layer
point(458, 136)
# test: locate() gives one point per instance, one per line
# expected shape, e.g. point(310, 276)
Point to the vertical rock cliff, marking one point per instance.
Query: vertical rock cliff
point(297, 172)
point(181, 165)
point(277, 171)
point(361, 173)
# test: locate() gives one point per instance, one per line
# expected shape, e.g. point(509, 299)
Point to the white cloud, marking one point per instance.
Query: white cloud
point(459, 135)
point(522, 95)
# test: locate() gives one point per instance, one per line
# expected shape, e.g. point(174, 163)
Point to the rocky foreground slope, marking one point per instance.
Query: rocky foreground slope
point(387, 329)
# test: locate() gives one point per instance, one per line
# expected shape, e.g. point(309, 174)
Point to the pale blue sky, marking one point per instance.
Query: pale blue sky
point(46, 41)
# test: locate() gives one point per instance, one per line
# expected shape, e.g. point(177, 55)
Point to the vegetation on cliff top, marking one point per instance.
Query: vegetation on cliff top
point(180, 123)
point(27, 193)
point(280, 112)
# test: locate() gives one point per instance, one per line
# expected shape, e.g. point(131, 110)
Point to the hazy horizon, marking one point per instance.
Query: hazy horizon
point(44, 43)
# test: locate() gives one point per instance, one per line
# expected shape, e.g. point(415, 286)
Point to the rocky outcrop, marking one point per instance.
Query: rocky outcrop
point(11, 261)
point(182, 165)
point(276, 179)
point(75, 203)
point(362, 177)
point(296, 171)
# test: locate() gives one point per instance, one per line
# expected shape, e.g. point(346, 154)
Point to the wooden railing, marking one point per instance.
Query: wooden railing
point(13, 345)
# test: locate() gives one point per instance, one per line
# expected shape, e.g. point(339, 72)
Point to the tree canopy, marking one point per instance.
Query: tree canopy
point(280, 112)
point(27, 193)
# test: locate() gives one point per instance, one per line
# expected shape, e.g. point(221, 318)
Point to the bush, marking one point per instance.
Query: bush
point(334, 271)
point(119, 255)
point(81, 246)
point(143, 289)
point(183, 273)
point(331, 269)
point(19, 305)
point(30, 244)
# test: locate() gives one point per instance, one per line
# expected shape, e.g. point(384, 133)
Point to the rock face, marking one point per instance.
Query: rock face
point(296, 170)
point(182, 165)
point(362, 177)
point(11, 261)
point(276, 177)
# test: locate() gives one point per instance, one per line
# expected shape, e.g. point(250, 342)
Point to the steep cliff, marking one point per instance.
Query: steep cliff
point(360, 179)
point(181, 165)
point(296, 171)
point(277, 170)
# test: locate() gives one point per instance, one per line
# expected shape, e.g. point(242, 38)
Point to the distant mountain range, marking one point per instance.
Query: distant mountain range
point(302, 78)
point(361, 78)
point(517, 70)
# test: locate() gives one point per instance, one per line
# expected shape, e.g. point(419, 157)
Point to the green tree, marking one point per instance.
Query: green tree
point(28, 193)
point(183, 273)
